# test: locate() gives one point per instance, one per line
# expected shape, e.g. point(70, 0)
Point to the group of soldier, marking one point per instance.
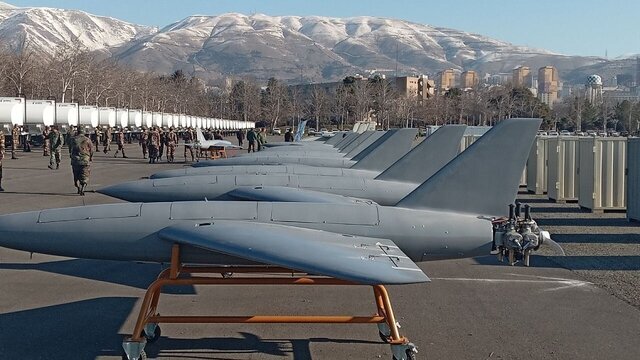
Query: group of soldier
point(254, 138)
point(155, 140)
point(15, 142)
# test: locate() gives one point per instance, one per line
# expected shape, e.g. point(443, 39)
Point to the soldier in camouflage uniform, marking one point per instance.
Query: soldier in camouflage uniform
point(107, 140)
point(15, 140)
point(45, 136)
point(144, 139)
point(120, 138)
point(163, 141)
point(81, 154)
point(188, 143)
point(1, 155)
point(55, 144)
point(172, 142)
point(154, 145)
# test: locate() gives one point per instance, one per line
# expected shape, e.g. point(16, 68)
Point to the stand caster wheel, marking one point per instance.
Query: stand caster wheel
point(152, 329)
point(404, 352)
point(143, 356)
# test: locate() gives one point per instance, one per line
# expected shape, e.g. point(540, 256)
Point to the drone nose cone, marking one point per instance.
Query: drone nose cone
point(15, 230)
point(123, 191)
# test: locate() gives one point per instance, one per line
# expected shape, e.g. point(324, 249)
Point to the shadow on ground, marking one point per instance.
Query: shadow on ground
point(136, 275)
point(90, 328)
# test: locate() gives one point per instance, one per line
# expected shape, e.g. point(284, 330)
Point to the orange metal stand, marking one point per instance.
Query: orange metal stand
point(172, 276)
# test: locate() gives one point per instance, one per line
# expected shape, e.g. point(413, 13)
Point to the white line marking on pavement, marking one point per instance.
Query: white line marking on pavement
point(564, 283)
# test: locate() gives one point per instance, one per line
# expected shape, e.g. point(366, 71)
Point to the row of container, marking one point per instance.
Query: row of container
point(599, 173)
point(589, 170)
point(18, 111)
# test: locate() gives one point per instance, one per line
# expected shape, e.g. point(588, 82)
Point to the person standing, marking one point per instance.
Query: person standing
point(188, 143)
point(95, 137)
point(1, 156)
point(251, 139)
point(81, 154)
point(15, 140)
point(172, 142)
point(240, 137)
point(55, 144)
point(154, 145)
point(107, 140)
point(45, 137)
point(261, 139)
point(120, 138)
point(26, 139)
point(163, 141)
point(288, 136)
point(144, 140)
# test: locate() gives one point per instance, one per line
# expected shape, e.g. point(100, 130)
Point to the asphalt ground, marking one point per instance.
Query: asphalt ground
point(581, 306)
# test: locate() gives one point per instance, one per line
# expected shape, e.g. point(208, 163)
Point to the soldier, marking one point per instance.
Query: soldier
point(107, 140)
point(15, 140)
point(188, 143)
point(45, 137)
point(154, 145)
point(172, 141)
point(55, 144)
point(95, 137)
point(81, 156)
point(163, 141)
point(143, 141)
point(1, 156)
point(261, 139)
point(240, 137)
point(120, 138)
point(251, 139)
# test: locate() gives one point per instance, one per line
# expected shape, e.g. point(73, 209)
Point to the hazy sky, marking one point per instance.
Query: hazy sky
point(573, 27)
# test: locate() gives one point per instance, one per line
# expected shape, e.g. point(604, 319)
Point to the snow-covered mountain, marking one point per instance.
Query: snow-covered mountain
point(311, 48)
point(46, 28)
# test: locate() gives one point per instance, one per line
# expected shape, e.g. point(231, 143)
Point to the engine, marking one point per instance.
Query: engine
point(516, 237)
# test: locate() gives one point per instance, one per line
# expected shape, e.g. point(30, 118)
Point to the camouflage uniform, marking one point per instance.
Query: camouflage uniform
point(163, 141)
point(107, 140)
point(15, 140)
point(120, 144)
point(261, 139)
point(144, 139)
point(45, 136)
point(81, 157)
point(154, 145)
point(96, 138)
point(172, 141)
point(1, 156)
point(55, 144)
point(188, 139)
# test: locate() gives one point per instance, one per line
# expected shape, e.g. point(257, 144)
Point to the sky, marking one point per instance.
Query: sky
point(571, 27)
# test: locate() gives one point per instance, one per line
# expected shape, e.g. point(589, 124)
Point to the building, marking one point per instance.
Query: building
point(548, 85)
point(415, 86)
point(469, 79)
point(522, 77)
point(593, 89)
point(447, 80)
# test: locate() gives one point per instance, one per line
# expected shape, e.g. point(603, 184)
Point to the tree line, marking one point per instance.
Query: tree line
point(73, 74)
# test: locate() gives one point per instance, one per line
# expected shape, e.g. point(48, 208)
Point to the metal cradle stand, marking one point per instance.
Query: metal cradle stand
point(148, 330)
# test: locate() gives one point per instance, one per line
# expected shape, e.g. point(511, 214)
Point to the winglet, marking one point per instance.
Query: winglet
point(485, 178)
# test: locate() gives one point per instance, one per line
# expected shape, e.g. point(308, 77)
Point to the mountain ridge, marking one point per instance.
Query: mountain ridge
point(293, 48)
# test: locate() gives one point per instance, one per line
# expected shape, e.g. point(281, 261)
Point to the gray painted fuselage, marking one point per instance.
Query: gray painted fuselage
point(129, 231)
point(212, 187)
point(292, 169)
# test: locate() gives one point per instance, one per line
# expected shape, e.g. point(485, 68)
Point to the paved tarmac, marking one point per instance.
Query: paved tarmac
point(61, 308)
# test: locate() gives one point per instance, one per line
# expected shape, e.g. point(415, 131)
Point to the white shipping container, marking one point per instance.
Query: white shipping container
point(123, 117)
point(537, 166)
point(41, 112)
point(602, 173)
point(107, 116)
point(12, 111)
point(135, 118)
point(633, 179)
point(67, 114)
point(562, 171)
point(89, 116)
